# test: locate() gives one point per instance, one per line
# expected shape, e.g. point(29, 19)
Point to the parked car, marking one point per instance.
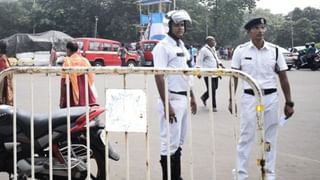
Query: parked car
point(13, 61)
point(297, 48)
point(104, 52)
point(60, 58)
point(25, 59)
point(290, 57)
point(147, 47)
point(41, 58)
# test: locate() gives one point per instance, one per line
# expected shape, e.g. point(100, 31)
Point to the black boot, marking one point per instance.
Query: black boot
point(163, 162)
point(175, 166)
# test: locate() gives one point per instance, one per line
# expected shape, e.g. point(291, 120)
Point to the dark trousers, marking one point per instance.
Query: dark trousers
point(214, 87)
point(123, 61)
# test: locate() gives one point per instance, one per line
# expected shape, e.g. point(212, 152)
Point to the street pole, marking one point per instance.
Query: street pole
point(207, 23)
point(34, 24)
point(216, 18)
point(96, 26)
point(291, 34)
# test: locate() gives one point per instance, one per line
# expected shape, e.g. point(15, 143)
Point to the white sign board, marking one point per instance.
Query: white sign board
point(126, 110)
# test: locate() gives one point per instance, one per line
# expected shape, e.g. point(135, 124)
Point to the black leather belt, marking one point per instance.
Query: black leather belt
point(264, 91)
point(179, 92)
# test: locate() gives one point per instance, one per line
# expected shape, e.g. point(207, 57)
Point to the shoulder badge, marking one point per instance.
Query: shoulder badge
point(244, 45)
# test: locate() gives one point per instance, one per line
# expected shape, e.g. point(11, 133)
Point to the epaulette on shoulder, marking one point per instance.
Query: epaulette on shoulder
point(271, 45)
point(244, 45)
point(163, 42)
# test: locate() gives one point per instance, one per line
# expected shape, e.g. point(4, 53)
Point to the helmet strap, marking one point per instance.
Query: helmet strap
point(174, 37)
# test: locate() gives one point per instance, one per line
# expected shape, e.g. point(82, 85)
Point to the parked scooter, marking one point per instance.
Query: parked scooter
point(59, 144)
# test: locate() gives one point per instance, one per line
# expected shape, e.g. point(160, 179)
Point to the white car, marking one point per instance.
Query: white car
point(25, 59)
point(290, 57)
point(60, 58)
point(41, 58)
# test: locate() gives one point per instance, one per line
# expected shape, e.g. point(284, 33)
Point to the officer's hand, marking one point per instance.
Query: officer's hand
point(172, 115)
point(198, 75)
point(193, 105)
point(288, 111)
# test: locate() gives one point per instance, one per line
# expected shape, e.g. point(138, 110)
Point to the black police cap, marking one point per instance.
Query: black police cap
point(254, 22)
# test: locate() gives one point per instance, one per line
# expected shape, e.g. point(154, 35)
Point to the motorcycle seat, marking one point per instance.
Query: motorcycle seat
point(41, 120)
point(41, 128)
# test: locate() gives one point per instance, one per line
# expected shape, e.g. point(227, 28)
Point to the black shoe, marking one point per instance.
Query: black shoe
point(203, 101)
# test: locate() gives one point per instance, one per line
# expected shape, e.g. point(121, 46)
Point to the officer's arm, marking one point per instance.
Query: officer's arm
point(285, 86)
point(160, 85)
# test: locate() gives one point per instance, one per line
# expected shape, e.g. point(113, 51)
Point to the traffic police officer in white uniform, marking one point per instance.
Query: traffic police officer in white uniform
point(208, 58)
point(264, 63)
point(171, 53)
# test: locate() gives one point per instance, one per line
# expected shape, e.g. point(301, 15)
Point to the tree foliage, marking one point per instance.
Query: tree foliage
point(219, 18)
point(119, 20)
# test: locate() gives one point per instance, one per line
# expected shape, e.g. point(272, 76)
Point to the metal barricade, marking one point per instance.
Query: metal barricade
point(51, 72)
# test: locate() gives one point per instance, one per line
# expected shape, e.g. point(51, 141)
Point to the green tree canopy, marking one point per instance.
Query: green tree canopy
point(119, 20)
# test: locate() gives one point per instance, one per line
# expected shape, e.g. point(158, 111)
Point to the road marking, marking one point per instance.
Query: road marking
point(299, 157)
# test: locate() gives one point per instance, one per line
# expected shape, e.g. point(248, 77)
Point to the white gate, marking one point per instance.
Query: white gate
point(32, 75)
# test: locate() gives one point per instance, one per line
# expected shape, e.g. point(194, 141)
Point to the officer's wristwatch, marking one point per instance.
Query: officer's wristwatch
point(290, 104)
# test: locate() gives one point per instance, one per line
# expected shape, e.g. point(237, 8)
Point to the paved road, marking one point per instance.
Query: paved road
point(298, 145)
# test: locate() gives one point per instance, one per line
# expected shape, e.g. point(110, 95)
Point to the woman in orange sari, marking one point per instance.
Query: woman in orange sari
point(77, 80)
point(6, 89)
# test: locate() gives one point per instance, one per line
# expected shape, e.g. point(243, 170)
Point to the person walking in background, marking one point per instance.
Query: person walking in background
point(208, 58)
point(194, 52)
point(6, 88)
point(262, 61)
point(77, 85)
point(77, 80)
point(141, 54)
point(230, 52)
point(171, 53)
point(190, 61)
point(53, 56)
point(122, 53)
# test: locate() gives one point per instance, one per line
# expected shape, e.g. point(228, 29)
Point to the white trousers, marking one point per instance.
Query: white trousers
point(177, 129)
point(248, 121)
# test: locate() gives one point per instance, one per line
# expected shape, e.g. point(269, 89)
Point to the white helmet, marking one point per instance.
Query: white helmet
point(178, 16)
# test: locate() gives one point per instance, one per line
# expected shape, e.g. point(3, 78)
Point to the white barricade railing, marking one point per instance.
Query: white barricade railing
point(123, 71)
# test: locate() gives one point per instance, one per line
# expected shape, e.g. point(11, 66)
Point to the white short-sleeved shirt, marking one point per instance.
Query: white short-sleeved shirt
point(167, 54)
point(259, 63)
point(208, 58)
